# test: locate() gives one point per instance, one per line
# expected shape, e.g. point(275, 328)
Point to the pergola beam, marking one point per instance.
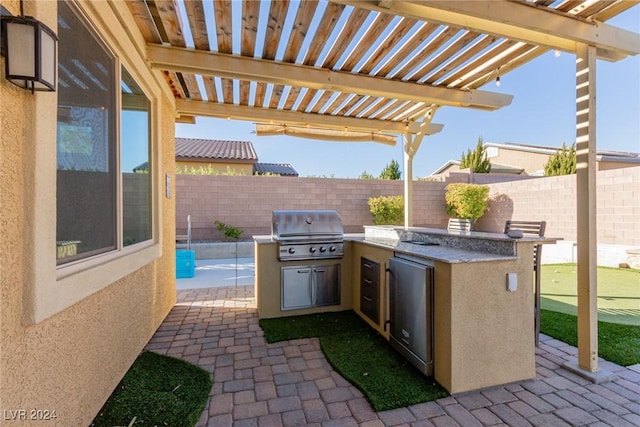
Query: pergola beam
point(517, 21)
point(256, 114)
point(193, 61)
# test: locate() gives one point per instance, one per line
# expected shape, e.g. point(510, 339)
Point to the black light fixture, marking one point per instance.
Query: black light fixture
point(30, 51)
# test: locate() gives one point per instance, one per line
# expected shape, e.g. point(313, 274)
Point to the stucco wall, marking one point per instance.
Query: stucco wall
point(530, 162)
point(70, 362)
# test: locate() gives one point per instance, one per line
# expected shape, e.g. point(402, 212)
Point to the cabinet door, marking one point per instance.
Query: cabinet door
point(370, 289)
point(296, 287)
point(326, 285)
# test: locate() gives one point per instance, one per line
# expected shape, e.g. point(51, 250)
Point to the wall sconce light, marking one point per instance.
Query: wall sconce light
point(498, 82)
point(30, 51)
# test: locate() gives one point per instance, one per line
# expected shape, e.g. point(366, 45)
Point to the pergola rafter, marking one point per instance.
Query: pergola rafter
point(193, 61)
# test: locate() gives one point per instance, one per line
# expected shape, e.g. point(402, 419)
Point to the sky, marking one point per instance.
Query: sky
point(542, 113)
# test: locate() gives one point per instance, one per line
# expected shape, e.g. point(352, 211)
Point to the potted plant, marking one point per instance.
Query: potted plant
point(466, 201)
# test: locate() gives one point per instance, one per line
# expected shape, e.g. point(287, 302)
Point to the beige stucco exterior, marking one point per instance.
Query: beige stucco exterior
point(268, 279)
point(68, 335)
point(530, 161)
point(483, 333)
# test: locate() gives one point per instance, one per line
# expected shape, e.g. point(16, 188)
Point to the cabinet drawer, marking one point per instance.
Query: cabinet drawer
point(369, 270)
point(370, 289)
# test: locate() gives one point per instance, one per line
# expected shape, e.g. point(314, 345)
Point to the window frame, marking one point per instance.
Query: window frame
point(50, 288)
point(92, 260)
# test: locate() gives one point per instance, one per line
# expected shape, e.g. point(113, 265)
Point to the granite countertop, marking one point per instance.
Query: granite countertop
point(466, 234)
point(487, 246)
point(262, 239)
point(437, 252)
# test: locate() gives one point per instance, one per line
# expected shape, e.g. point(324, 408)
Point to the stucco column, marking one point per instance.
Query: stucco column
point(586, 207)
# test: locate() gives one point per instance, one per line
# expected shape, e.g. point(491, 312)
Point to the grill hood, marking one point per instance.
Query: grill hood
point(306, 226)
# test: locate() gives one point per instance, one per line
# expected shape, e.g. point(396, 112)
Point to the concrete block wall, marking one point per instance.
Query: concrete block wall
point(246, 202)
point(553, 199)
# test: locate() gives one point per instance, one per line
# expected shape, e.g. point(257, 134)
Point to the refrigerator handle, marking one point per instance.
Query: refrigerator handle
point(385, 295)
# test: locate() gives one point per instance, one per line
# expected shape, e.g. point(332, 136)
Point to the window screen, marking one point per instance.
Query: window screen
point(136, 176)
point(86, 141)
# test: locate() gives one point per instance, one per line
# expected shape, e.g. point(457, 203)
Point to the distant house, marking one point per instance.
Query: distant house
point(523, 159)
point(219, 155)
point(237, 157)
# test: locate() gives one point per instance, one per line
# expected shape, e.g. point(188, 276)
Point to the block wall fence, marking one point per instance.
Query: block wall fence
point(246, 202)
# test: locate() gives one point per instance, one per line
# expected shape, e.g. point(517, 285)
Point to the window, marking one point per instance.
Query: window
point(89, 200)
point(136, 176)
point(86, 141)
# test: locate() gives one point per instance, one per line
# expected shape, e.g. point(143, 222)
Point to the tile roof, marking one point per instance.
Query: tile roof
point(196, 148)
point(283, 169)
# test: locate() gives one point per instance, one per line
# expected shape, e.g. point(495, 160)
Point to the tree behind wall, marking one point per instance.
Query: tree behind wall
point(476, 160)
point(391, 171)
point(562, 163)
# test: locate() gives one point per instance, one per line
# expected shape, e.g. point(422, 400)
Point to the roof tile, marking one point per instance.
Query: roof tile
point(215, 149)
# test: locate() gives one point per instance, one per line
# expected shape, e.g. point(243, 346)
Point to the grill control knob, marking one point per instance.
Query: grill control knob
point(292, 250)
point(312, 250)
point(332, 248)
point(323, 249)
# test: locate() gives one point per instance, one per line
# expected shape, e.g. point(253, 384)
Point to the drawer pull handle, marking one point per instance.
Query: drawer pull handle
point(367, 281)
point(366, 298)
point(367, 265)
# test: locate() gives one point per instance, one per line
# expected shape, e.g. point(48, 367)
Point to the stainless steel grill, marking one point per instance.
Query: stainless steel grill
point(313, 234)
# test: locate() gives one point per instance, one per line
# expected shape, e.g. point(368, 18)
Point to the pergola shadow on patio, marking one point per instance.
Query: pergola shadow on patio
point(291, 383)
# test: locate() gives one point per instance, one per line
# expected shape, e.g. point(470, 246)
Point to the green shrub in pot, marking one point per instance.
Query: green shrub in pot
point(466, 201)
point(387, 209)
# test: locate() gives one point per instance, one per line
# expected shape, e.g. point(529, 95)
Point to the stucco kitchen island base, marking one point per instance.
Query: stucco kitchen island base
point(483, 332)
point(267, 285)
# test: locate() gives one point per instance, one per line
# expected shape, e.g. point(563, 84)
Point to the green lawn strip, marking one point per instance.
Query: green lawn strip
point(157, 391)
point(619, 344)
point(618, 292)
point(360, 355)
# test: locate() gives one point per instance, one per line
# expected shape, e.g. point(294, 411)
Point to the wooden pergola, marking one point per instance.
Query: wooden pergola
point(385, 66)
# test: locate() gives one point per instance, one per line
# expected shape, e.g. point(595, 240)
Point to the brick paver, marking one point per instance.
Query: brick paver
point(292, 384)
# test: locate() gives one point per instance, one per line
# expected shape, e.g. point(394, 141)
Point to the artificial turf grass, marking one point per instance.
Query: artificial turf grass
point(157, 391)
point(617, 343)
point(311, 325)
point(361, 356)
point(618, 292)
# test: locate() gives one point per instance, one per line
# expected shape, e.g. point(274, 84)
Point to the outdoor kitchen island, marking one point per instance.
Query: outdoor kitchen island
point(483, 304)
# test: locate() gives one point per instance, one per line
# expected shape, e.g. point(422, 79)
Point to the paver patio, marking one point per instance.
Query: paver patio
point(291, 383)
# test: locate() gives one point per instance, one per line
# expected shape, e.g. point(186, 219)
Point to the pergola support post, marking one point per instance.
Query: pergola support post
point(408, 140)
point(587, 238)
point(586, 207)
point(411, 143)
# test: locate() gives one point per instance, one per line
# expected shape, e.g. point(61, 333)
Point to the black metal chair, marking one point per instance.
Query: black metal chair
point(532, 228)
